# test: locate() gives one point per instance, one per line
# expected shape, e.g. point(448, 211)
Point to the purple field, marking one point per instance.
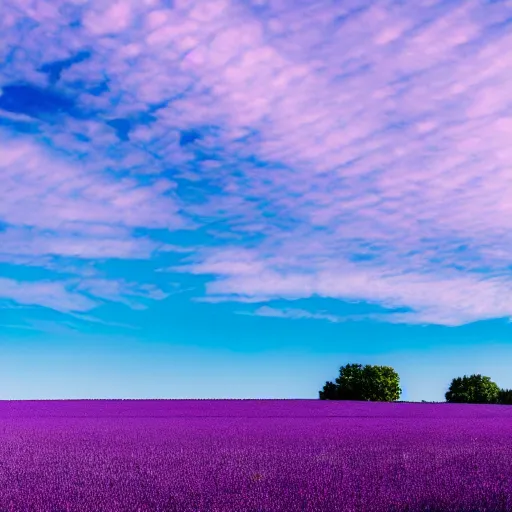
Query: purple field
point(254, 455)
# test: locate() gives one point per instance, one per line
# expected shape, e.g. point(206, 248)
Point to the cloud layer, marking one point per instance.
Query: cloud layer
point(352, 150)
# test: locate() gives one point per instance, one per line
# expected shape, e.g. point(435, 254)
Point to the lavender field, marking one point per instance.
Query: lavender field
point(254, 455)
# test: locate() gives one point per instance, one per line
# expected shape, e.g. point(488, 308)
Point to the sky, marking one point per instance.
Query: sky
point(233, 199)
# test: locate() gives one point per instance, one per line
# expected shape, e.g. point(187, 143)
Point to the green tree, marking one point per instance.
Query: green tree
point(365, 383)
point(330, 392)
point(505, 397)
point(474, 389)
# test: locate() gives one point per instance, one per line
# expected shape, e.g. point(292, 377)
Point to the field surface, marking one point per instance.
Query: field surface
point(254, 456)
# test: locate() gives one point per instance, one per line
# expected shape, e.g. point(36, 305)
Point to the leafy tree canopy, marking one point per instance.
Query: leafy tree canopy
point(366, 383)
point(505, 397)
point(474, 389)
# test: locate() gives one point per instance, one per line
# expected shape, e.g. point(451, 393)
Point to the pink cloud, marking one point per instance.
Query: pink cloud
point(119, 290)
point(116, 18)
point(293, 313)
point(446, 297)
point(385, 135)
point(33, 196)
point(54, 295)
point(56, 208)
point(19, 242)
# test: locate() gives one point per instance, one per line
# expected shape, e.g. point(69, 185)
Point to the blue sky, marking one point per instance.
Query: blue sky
point(229, 199)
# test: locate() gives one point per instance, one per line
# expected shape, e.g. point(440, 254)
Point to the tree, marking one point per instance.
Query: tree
point(474, 389)
point(368, 383)
point(505, 397)
point(330, 391)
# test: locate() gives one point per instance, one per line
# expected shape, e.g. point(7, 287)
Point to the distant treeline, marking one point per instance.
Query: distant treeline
point(382, 384)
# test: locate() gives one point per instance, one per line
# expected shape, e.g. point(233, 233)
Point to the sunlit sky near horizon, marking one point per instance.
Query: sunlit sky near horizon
point(232, 199)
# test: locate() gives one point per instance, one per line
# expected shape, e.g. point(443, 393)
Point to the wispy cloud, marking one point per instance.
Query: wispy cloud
point(292, 313)
point(350, 150)
point(54, 295)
